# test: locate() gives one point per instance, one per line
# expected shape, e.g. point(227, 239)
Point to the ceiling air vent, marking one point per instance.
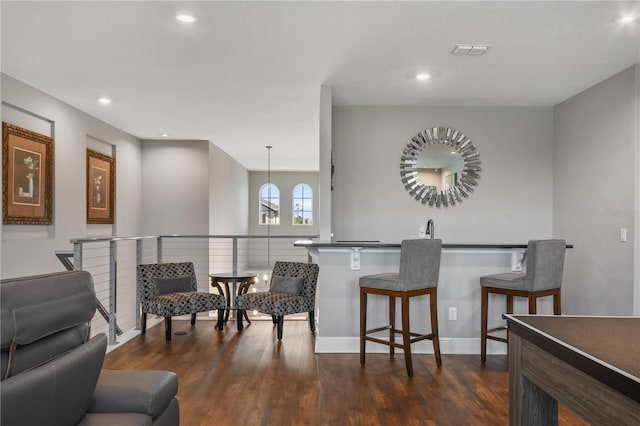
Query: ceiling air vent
point(470, 49)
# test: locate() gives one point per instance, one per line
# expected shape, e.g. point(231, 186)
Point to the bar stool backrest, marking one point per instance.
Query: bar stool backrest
point(545, 264)
point(419, 264)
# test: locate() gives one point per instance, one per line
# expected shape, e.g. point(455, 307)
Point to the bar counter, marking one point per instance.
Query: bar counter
point(342, 263)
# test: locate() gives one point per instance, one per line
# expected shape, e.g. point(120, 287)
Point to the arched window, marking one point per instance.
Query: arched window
point(269, 205)
point(302, 204)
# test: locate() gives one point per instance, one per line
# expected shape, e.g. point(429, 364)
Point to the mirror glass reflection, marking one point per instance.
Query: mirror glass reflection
point(440, 167)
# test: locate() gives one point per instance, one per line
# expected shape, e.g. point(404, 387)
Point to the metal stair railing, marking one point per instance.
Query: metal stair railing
point(65, 258)
point(210, 251)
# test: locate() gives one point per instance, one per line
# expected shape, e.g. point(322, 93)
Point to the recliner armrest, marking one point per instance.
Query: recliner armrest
point(125, 391)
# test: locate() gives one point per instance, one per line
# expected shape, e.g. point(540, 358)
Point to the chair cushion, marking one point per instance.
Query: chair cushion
point(142, 391)
point(250, 301)
point(284, 304)
point(174, 304)
point(291, 285)
point(172, 285)
point(387, 281)
point(508, 281)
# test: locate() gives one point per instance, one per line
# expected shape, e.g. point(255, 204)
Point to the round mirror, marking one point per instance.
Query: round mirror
point(440, 166)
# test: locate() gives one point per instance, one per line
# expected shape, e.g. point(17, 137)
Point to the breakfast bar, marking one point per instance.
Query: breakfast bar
point(343, 262)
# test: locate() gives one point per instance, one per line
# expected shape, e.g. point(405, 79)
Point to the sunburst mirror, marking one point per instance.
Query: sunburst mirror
point(440, 167)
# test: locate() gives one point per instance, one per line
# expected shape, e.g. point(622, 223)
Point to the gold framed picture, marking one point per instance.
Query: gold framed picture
point(101, 187)
point(27, 176)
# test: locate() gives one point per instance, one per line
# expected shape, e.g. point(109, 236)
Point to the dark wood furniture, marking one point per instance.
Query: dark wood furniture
point(590, 364)
point(240, 281)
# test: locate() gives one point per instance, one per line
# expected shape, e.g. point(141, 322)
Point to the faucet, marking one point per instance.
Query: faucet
point(431, 229)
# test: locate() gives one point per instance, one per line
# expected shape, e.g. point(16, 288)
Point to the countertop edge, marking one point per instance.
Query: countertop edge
point(374, 245)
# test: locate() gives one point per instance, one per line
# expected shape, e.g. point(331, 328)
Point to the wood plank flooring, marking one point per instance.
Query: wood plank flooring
point(247, 378)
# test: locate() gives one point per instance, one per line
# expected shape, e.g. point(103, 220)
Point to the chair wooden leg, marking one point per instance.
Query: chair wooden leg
point(557, 308)
point(220, 322)
point(312, 321)
point(406, 337)
point(240, 314)
point(244, 313)
point(509, 304)
point(484, 308)
point(167, 328)
point(533, 305)
point(433, 301)
point(143, 323)
point(363, 323)
point(392, 323)
point(193, 319)
point(280, 326)
point(227, 295)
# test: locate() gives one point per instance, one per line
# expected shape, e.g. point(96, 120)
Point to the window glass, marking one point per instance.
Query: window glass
point(302, 205)
point(269, 205)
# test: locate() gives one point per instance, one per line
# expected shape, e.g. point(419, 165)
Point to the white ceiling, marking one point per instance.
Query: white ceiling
point(248, 74)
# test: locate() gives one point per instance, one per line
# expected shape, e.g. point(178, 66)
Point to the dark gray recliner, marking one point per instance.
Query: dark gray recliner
point(52, 371)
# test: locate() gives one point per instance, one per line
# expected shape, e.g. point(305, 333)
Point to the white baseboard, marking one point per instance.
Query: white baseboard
point(448, 345)
point(327, 345)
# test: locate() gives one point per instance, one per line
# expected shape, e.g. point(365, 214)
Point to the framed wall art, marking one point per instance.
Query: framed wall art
point(101, 187)
point(27, 176)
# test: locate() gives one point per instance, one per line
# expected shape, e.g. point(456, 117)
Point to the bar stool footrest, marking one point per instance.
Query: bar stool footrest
point(498, 339)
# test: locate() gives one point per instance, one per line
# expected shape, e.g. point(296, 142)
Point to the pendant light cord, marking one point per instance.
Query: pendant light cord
point(269, 221)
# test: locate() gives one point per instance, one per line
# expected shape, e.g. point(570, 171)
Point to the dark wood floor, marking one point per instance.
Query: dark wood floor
point(246, 378)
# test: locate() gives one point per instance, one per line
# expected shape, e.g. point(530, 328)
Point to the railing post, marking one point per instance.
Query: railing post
point(77, 256)
point(234, 262)
point(159, 250)
point(113, 281)
point(138, 262)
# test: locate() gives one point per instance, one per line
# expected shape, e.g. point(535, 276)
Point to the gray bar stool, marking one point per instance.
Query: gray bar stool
point(543, 277)
point(418, 275)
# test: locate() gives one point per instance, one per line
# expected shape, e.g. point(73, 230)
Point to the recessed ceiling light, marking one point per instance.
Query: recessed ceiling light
point(422, 76)
point(104, 101)
point(164, 135)
point(452, 152)
point(185, 17)
point(627, 19)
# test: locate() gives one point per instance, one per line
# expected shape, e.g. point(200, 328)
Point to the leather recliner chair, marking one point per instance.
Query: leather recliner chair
point(52, 371)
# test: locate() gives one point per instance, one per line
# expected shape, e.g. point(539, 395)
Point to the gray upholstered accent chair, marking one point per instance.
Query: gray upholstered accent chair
point(292, 290)
point(171, 289)
point(542, 277)
point(418, 276)
point(52, 371)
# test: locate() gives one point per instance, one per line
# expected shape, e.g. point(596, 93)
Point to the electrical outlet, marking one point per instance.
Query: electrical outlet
point(623, 234)
point(453, 314)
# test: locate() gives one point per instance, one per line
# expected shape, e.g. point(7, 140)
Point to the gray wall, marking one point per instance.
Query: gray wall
point(29, 249)
point(192, 187)
point(228, 189)
point(175, 187)
point(594, 171)
point(512, 203)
